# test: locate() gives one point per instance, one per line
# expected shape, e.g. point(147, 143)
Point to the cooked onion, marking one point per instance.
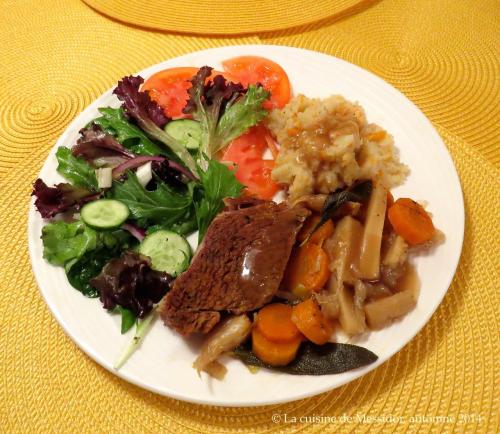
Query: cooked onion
point(226, 336)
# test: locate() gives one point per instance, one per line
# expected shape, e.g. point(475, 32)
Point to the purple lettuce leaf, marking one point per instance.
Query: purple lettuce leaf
point(149, 116)
point(224, 109)
point(95, 144)
point(60, 198)
point(139, 105)
point(129, 282)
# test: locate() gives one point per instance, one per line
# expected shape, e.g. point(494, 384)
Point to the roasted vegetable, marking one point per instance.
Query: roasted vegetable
point(314, 202)
point(396, 252)
point(410, 220)
point(351, 315)
point(322, 233)
point(307, 270)
point(380, 312)
point(328, 299)
point(226, 336)
point(311, 359)
point(369, 259)
point(343, 249)
point(356, 193)
point(274, 353)
point(274, 321)
point(311, 322)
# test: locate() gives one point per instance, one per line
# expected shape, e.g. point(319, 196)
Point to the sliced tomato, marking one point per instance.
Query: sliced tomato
point(247, 152)
point(169, 88)
point(256, 176)
point(253, 69)
point(249, 146)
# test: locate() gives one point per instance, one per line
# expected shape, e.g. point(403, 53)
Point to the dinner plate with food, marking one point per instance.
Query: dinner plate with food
point(246, 225)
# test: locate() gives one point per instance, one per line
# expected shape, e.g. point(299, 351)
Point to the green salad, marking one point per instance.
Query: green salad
point(137, 184)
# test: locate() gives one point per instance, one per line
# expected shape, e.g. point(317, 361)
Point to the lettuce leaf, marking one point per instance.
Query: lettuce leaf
point(224, 109)
point(149, 116)
point(114, 122)
point(63, 242)
point(162, 206)
point(217, 183)
point(88, 267)
point(95, 146)
point(130, 282)
point(75, 169)
point(60, 198)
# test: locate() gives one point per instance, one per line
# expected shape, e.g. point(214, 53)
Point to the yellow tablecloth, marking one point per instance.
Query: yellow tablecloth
point(58, 55)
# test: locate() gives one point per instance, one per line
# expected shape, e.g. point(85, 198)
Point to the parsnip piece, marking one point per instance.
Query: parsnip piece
point(314, 202)
point(396, 253)
point(328, 300)
point(369, 260)
point(380, 312)
point(343, 249)
point(377, 291)
point(409, 281)
point(351, 317)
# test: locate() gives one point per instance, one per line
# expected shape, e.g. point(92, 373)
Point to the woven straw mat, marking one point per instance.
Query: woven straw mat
point(58, 56)
point(222, 16)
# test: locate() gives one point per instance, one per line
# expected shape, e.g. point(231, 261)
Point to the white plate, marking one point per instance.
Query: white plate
point(163, 363)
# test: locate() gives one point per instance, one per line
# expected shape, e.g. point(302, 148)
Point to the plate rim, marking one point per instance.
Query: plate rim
point(357, 373)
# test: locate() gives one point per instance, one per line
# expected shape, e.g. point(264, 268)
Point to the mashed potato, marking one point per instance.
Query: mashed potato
point(327, 144)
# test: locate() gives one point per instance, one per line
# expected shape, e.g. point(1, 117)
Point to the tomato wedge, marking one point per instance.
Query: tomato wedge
point(169, 88)
point(253, 171)
point(254, 69)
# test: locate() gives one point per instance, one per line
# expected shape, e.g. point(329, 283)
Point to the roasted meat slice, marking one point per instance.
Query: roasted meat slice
point(239, 266)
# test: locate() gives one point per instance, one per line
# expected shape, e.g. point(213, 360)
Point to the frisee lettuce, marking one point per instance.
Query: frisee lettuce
point(224, 109)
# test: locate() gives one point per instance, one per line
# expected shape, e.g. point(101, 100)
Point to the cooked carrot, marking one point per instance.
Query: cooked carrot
point(311, 322)
point(320, 234)
point(308, 267)
point(274, 321)
point(410, 220)
point(274, 353)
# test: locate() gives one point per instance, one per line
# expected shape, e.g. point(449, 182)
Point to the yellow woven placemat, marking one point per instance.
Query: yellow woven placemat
point(59, 56)
point(222, 16)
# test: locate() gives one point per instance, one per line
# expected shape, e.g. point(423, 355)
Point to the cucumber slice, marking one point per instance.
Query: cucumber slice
point(186, 131)
point(104, 213)
point(169, 252)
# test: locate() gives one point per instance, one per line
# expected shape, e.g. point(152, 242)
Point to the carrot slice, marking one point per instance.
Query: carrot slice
point(274, 353)
point(274, 321)
point(311, 322)
point(308, 267)
point(320, 234)
point(410, 220)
